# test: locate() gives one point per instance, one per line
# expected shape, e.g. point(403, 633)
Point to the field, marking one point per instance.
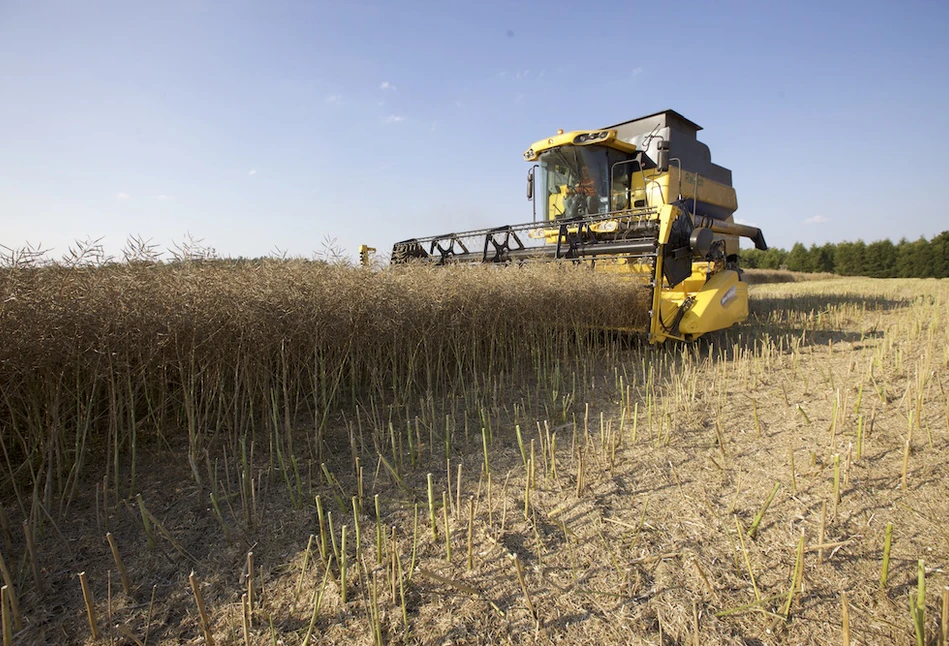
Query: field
point(287, 452)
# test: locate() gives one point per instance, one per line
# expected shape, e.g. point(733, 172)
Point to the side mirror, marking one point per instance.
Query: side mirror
point(530, 183)
point(662, 161)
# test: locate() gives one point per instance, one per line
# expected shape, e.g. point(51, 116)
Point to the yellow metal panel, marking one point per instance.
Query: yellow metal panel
point(663, 188)
point(667, 214)
point(722, 302)
point(708, 190)
point(656, 334)
point(567, 139)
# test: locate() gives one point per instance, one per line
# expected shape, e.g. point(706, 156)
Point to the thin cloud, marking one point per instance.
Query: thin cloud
point(164, 197)
point(817, 219)
point(385, 85)
point(637, 71)
point(394, 118)
point(122, 196)
point(333, 99)
point(251, 173)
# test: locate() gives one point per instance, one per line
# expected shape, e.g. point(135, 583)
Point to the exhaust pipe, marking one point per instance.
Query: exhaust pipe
point(730, 228)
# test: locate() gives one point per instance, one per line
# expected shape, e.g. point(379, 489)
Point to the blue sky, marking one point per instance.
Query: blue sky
point(263, 126)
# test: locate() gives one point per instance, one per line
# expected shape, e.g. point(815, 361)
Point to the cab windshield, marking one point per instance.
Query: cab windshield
point(583, 180)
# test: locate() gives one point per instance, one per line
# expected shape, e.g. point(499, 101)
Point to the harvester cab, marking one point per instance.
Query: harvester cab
point(641, 199)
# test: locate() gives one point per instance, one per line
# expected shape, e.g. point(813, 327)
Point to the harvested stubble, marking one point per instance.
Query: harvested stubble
point(649, 546)
point(114, 355)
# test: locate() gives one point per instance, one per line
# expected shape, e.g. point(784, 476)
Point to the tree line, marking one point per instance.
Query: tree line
point(881, 259)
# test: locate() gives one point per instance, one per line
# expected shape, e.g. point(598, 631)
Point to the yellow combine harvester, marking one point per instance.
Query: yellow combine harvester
point(642, 199)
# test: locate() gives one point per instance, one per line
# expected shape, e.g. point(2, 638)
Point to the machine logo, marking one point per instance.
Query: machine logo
point(729, 296)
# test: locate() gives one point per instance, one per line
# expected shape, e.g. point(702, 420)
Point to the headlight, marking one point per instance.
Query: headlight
point(605, 227)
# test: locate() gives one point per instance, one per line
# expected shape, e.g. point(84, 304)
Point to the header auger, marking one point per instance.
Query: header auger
point(606, 199)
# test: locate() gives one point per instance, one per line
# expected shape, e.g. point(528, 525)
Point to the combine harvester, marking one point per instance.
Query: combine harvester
point(641, 199)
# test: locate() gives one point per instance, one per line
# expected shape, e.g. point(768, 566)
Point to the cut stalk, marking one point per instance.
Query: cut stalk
point(447, 530)
point(579, 472)
point(795, 576)
point(945, 616)
point(6, 618)
point(405, 609)
point(34, 561)
point(860, 437)
point(146, 523)
point(245, 620)
point(357, 536)
point(250, 585)
point(414, 544)
point(11, 595)
point(887, 541)
point(306, 562)
point(635, 422)
point(324, 556)
point(378, 531)
point(744, 551)
point(90, 606)
point(820, 536)
point(215, 506)
point(332, 533)
point(458, 493)
point(520, 579)
point(695, 625)
point(470, 533)
point(119, 565)
point(836, 484)
point(731, 507)
point(757, 521)
point(905, 463)
point(342, 565)
point(800, 409)
point(317, 602)
point(848, 463)
point(202, 612)
point(919, 605)
point(721, 443)
point(845, 617)
point(431, 508)
point(553, 457)
point(148, 617)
